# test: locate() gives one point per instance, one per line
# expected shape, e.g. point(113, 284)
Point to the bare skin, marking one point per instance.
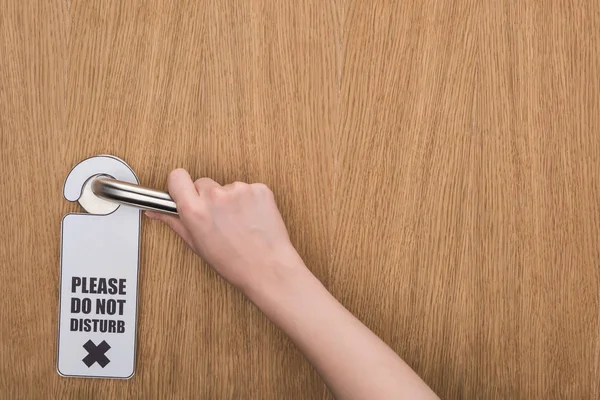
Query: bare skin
point(238, 230)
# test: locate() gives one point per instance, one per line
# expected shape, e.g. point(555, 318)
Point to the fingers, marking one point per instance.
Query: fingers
point(172, 222)
point(204, 185)
point(182, 189)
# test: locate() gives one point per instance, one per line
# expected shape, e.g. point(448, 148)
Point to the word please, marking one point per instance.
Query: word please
point(98, 285)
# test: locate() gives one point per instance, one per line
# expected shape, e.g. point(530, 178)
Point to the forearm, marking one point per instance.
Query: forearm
point(239, 231)
point(352, 360)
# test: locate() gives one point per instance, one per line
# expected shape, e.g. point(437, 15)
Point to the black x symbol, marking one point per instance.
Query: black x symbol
point(96, 353)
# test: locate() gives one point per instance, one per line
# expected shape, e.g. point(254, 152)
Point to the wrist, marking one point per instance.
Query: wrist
point(281, 270)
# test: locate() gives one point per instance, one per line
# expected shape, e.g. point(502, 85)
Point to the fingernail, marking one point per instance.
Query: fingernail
point(150, 214)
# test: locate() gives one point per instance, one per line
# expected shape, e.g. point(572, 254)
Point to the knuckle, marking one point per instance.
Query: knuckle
point(238, 186)
point(262, 189)
point(215, 193)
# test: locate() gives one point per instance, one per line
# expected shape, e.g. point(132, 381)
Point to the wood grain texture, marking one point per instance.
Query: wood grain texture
point(436, 162)
point(32, 117)
point(535, 289)
point(403, 178)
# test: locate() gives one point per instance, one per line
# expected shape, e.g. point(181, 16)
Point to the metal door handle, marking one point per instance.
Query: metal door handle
point(133, 195)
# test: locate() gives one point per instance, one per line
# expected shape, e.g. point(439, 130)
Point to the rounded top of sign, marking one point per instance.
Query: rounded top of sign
point(79, 177)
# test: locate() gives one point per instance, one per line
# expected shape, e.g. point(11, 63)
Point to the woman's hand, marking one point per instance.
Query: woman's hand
point(236, 228)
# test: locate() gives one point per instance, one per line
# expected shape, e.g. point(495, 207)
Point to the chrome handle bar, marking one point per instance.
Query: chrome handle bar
point(133, 195)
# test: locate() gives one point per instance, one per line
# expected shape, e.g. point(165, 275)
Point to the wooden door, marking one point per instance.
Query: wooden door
point(436, 162)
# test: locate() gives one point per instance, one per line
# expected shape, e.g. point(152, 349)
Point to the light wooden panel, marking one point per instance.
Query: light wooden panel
point(535, 273)
point(32, 116)
point(404, 178)
point(437, 163)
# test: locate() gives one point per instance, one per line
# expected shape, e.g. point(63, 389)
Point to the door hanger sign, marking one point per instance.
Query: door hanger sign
point(98, 280)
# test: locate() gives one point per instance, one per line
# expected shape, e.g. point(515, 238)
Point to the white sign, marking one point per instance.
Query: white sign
point(98, 281)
